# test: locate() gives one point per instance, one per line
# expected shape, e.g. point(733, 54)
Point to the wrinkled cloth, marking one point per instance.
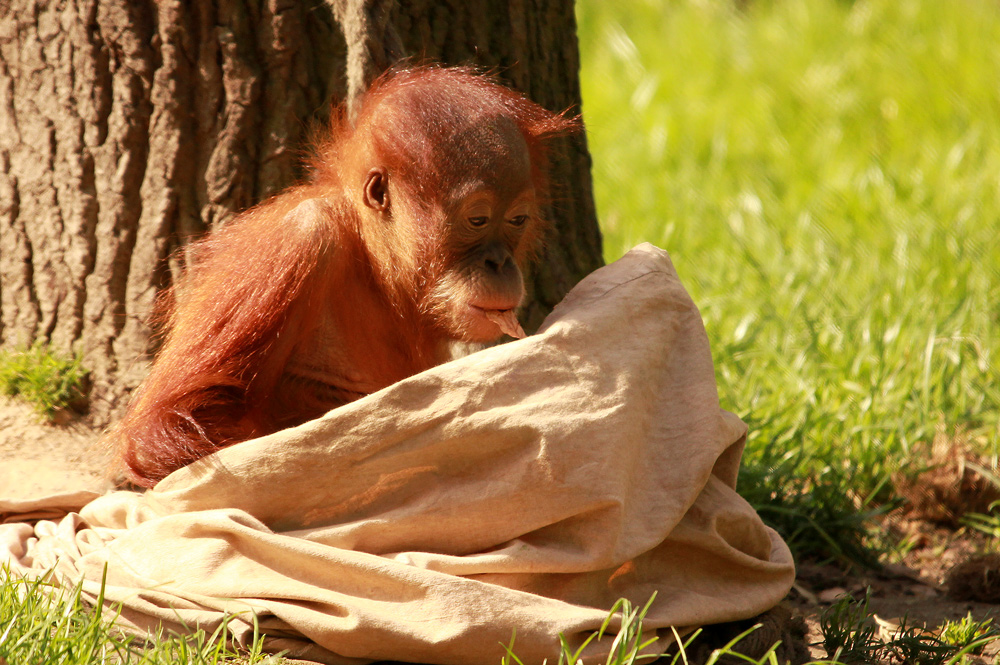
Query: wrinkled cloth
point(527, 486)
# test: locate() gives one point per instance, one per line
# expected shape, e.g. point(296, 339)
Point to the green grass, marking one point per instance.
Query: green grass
point(41, 624)
point(43, 378)
point(826, 177)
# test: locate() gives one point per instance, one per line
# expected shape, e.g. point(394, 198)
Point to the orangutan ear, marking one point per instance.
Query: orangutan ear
point(376, 191)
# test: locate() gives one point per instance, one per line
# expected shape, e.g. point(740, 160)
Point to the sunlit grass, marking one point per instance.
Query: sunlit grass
point(42, 378)
point(826, 177)
point(45, 624)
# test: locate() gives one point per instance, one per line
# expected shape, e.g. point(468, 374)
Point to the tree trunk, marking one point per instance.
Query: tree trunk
point(129, 127)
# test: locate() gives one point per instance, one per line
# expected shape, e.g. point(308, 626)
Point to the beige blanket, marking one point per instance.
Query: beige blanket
point(526, 487)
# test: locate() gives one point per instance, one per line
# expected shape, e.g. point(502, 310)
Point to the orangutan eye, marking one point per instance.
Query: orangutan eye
point(519, 220)
point(478, 222)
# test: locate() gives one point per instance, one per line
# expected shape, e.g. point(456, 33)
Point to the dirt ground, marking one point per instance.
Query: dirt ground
point(913, 592)
point(39, 458)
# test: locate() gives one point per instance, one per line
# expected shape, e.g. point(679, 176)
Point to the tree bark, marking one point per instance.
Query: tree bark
point(130, 127)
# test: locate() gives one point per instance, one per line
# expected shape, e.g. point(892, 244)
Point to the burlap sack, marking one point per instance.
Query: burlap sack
point(527, 487)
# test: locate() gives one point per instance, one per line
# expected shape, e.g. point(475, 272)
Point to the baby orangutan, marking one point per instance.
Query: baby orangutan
point(411, 233)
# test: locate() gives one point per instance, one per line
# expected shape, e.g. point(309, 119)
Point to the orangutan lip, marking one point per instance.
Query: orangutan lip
point(486, 310)
point(504, 319)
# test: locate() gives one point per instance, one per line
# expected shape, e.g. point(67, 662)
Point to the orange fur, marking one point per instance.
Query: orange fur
point(311, 300)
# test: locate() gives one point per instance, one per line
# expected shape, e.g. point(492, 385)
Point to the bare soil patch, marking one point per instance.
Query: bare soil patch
point(914, 591)
point(38, 458)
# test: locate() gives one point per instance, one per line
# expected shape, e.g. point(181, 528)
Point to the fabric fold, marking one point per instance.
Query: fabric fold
point(527, 486)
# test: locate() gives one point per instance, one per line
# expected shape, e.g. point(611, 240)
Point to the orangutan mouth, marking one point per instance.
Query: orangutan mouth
point(505, 319)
